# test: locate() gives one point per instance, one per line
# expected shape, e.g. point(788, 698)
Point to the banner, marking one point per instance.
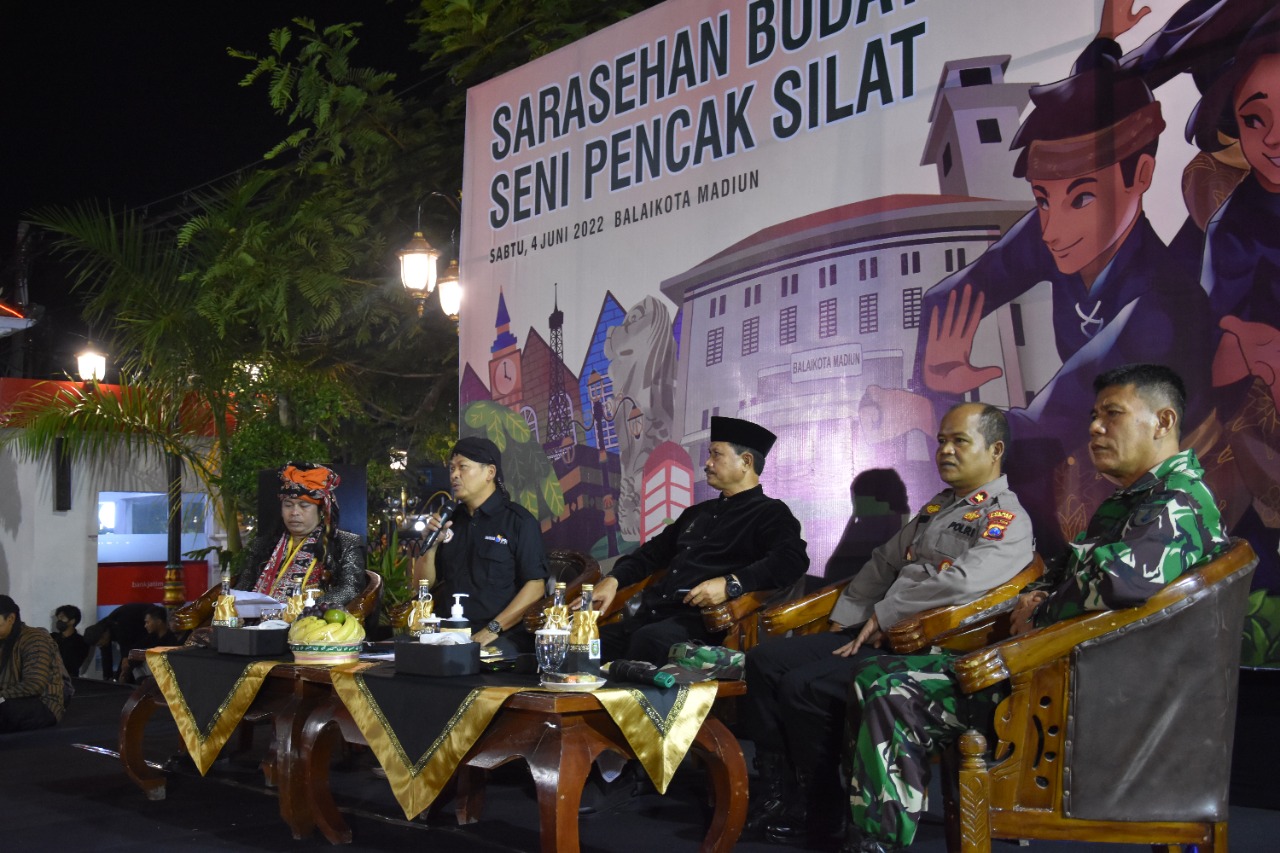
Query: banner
point(817, 216)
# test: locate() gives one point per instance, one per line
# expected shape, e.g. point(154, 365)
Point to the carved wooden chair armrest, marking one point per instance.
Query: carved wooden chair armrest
point(723, 616)
point(198, 613)
point(919, 631)
point(367, 601)
point(625, 594)
point(991, 665)
point(806, 615)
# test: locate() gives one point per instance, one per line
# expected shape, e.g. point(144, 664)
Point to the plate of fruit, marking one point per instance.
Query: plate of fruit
point(572, 682)
point(326, 637)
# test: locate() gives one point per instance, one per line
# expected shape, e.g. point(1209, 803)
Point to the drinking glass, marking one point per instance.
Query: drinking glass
point(551, 645)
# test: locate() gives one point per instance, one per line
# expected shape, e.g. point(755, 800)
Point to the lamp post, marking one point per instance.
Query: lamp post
point(91, 365)
point(419, 272)
point(451, 291)
point(418, 268)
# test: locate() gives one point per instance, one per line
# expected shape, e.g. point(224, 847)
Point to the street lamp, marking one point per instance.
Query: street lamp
point(418, 267)
point(419, 270)
point(91, 365)
point(451, 291)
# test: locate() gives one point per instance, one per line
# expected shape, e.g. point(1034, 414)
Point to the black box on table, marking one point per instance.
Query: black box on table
point(429, 659)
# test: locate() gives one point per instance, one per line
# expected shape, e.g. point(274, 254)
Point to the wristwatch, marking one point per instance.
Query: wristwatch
point(732, 586)
point(494, 627)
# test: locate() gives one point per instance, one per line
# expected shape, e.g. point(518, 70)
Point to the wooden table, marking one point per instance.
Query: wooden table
point(559, 735)
point(286, 699)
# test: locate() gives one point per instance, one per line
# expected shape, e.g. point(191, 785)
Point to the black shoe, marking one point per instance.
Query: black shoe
point(856, 842)
point(769, 790)
point(814, 814)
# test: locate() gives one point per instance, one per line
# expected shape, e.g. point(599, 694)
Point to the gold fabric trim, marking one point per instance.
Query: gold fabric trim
point(660, 743)
point(1056, 159)
point(205, 746)
point(416, 782)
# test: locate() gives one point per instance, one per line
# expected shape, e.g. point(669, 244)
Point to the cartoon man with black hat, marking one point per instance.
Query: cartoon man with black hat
point(716, 550)
point(491, 549)
point(1088, 152)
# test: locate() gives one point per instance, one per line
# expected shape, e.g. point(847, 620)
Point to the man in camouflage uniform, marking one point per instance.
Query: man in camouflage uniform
point(970, 537)
point(1161, 521)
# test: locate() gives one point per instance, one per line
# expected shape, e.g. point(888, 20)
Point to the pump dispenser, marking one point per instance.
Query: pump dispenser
point(456, 623)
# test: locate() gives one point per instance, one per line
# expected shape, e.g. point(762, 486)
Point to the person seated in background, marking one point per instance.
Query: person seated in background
point(156, 621)
point(71, 645)
point(305, 548)
point(968, 538)
point(137, 625)
point(31, 686)
point(1161, 521)
point(491, 550)
point(125, 627)
point(741, 541)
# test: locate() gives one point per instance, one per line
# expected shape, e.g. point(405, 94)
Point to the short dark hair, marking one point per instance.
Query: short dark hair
point(155, 611)
point(757, 458)
point(993, 426)
point(8, 605)
point(70, 611)
point(1157, 384)
point(1129, 165)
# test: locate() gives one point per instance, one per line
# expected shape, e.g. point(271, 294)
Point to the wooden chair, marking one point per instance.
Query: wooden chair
point(1118, 725)
point(738, 618)
point(199, 613)
point(810, 614)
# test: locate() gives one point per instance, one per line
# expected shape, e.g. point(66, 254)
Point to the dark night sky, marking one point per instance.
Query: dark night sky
point(134, 102)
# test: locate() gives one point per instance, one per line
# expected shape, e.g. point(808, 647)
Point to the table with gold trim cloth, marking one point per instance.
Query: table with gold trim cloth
point(421, 728)
point(207, 694)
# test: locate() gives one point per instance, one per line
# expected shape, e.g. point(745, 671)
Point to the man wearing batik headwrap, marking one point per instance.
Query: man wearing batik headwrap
point(739, 542)
point(1088, 152)
point(491, 550)
point(307, 548)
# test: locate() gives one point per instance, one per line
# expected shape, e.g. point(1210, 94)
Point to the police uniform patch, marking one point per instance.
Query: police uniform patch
point(997, 521)
point(973, 515)
point(978, 498)
point(944, 565)
point(932, 508)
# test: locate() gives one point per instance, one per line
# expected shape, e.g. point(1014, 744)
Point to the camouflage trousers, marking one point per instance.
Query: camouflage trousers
point(901, 709)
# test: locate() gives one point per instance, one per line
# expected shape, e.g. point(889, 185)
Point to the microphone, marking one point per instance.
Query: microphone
point(446, 513)
point(641, 672)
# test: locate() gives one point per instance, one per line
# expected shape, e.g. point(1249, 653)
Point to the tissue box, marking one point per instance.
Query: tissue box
point(423, 659)
point(251, 641)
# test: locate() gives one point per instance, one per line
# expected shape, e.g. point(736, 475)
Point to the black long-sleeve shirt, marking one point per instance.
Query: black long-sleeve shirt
point(749, 535)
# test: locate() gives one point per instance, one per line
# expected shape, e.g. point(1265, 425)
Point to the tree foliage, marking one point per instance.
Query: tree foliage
point(272, 302)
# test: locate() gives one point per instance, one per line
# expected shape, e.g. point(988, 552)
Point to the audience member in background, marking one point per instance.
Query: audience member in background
point(71, 645)
point(31, 689)
point(126, 627)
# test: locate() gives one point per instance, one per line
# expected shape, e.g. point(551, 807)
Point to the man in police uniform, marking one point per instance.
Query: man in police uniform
point(1161, 521)
point(491, 550)
point(970, 537)
point(739, 542)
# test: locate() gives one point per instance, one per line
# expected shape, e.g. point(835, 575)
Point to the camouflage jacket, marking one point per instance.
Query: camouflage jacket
point(1141, 538)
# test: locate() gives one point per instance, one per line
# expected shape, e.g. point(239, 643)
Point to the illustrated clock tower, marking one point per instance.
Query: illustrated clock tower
point(505, 378)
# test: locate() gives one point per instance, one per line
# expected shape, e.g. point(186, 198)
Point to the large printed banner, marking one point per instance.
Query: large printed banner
point(835, 218)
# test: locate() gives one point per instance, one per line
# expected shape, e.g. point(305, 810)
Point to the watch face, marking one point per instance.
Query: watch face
point(494, 627)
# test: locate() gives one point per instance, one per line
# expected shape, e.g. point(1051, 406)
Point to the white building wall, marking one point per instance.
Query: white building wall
point(50, 558)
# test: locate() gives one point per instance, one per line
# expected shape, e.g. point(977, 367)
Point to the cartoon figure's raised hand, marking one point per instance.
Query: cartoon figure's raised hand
point(946, 351)
point(1248, 349)
point(1118, 18)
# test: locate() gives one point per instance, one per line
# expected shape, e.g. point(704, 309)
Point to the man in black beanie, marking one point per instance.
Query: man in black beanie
point(491, 550)
point(716, 550)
